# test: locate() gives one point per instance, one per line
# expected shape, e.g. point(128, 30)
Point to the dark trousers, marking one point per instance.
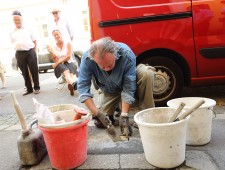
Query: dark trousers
point(25, 60)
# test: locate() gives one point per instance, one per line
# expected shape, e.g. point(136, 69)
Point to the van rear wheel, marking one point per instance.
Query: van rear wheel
point(169, 79)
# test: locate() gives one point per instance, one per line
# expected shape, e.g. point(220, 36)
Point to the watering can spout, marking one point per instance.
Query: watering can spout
point(19, 113)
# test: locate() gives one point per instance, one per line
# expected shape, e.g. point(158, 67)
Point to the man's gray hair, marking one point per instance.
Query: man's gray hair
point(102, 46)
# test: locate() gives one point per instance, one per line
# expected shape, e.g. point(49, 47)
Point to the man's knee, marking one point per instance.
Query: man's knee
point(144, 73)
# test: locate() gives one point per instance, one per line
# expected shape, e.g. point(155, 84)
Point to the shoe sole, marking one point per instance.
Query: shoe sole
point(70, 87)
point(24, 94)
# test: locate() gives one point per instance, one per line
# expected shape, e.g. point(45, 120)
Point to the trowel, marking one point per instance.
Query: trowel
point(113, 133)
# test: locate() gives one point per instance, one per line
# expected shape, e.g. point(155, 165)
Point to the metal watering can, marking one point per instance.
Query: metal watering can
point(31, 145)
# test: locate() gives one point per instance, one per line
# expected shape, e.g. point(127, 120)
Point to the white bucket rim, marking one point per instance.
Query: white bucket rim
point(156, 124)
point(175, 102)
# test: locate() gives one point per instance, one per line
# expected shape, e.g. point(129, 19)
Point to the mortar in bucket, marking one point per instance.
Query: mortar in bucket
point(66, 142)
point(199, 126)
point(61, 107)
point(163, 142)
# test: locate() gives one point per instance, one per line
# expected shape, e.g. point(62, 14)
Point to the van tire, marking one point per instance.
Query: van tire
point(169, 79)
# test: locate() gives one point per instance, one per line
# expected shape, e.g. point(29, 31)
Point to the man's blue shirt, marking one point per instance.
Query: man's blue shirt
point(121, 80)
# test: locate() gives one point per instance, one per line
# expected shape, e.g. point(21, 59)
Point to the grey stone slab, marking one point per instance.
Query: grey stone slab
point(199, 160)
point(134, 161)
point(43, 165)
point(101, 162)
point(215, 148)
point(4, 126)
point(9, 156)
point(14, 127)
point(100, 143)
point(193, 160)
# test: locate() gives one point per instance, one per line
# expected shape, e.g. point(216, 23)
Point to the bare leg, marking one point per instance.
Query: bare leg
point(73, 76)
point(70, 81)
point(68, 77)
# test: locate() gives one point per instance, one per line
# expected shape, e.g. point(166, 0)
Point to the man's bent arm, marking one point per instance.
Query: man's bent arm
point(91, 106)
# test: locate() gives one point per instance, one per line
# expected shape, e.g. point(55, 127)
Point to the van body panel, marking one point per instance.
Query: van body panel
point(209, 35)
point(172, 34)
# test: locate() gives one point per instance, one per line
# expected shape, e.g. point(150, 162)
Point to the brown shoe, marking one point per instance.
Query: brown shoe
point(70, 87)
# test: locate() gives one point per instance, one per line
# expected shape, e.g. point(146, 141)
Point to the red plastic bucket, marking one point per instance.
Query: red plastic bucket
point(67, 147)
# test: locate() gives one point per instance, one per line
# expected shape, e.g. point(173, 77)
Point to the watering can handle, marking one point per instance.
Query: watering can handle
point(35, 121)
point(192, 109)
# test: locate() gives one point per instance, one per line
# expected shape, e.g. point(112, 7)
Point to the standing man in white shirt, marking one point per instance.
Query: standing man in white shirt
point(24, 43)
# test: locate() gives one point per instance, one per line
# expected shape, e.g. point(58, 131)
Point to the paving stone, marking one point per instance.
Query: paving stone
point(101, 162)
point(4, 126)
point(14, 127)
point(44, 164)
point(134, 161)
point(199, 160)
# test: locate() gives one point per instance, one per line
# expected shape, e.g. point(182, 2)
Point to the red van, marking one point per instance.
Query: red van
point(183, 39)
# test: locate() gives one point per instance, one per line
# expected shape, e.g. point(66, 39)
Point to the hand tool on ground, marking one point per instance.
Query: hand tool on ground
point(112, 132)
point(110, 129)
point(176, 113)
point(191, 110)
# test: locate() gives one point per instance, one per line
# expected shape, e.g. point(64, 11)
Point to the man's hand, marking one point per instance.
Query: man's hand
point(124, 123)
point(102, 119)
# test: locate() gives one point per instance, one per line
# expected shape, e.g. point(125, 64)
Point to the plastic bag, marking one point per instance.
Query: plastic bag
point(44, 115)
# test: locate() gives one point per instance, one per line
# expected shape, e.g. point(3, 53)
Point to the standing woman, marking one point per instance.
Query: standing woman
point(61, 54)
point(24, 43)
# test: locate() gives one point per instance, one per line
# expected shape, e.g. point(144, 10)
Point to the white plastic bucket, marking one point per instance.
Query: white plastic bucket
point(163, 143)
point(199, 126)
